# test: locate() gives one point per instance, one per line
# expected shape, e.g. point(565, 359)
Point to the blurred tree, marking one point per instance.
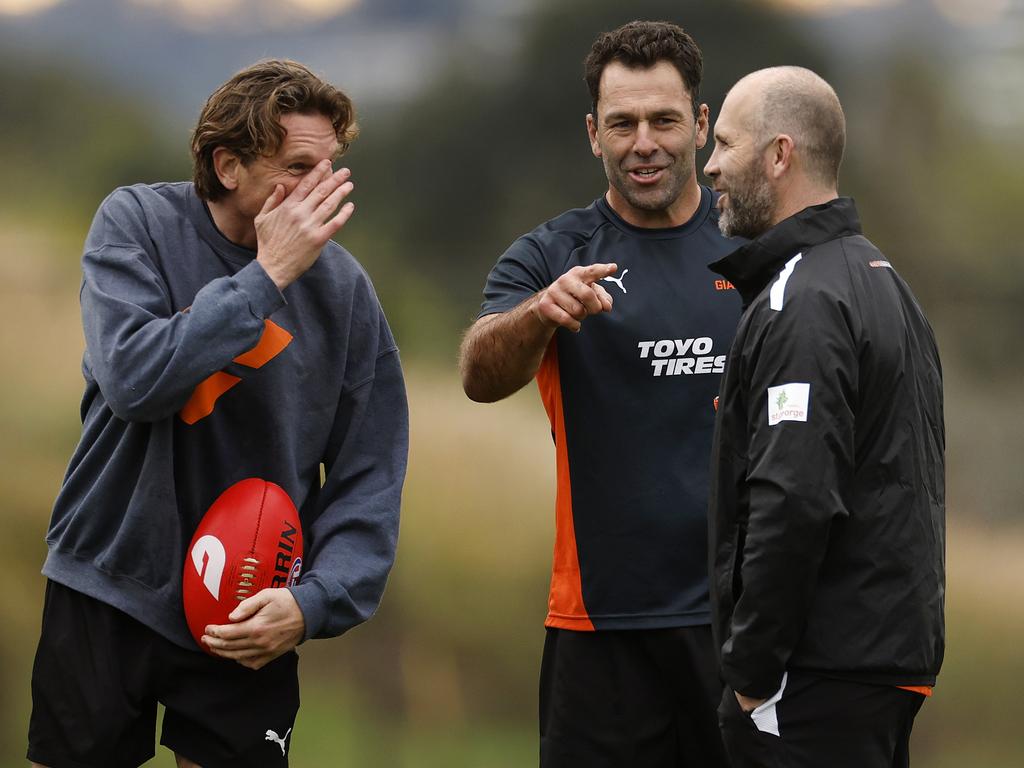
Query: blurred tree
point(939, 196)
point(67, 140)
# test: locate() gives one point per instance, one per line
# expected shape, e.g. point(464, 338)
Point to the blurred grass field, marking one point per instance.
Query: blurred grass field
point(445, 675)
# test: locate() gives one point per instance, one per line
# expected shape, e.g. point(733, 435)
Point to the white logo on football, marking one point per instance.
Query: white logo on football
point(788, 402)
point(209, 558)
point(617, 280)
point(272, 736)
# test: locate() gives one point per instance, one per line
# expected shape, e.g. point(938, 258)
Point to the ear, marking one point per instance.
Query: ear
point(781, 157)
point(703, 125)
point(227, 165)
point(592, 133)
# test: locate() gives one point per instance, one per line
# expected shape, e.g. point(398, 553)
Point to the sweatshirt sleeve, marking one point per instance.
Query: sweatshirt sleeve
point(146, 355)
point(354, 533)
point(801, 398)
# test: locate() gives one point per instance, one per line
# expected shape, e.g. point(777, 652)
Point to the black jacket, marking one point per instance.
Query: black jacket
point(827, 526)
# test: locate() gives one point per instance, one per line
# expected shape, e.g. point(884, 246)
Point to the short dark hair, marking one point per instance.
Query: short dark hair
point(641, 45)
point(244, 116)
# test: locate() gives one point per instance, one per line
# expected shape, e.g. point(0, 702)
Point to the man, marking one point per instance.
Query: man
point(226, 337)
point(612, 309)
point(827, 469)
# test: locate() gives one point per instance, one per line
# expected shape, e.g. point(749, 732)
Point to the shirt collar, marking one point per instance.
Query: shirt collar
point(752, 265)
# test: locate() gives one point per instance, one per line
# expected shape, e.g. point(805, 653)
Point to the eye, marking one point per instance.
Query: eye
point(665, 122)
point(297, 169)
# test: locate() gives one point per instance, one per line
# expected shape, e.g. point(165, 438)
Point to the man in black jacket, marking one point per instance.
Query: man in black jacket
point(827, 492)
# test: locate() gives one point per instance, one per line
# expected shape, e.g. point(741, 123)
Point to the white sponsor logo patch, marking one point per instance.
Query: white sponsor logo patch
point(788, 402)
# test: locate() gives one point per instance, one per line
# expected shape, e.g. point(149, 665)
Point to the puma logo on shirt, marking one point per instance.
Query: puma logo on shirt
point(617, 280)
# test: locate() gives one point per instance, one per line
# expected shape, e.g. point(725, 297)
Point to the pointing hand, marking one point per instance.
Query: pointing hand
point(574, 296)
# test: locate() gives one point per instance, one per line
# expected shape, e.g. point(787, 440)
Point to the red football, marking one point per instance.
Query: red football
point(248, 540)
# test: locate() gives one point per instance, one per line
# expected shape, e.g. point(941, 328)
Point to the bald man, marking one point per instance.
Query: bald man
point(827, 491)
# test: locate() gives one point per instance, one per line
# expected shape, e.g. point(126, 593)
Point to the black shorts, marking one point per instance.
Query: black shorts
point(99, 674)
point(818, 721)
point(630, 699)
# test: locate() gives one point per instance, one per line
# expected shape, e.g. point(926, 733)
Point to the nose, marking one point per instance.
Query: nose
point(644, 144)
point(711, 169)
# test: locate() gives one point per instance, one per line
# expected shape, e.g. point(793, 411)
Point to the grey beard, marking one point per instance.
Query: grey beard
point(750, 212)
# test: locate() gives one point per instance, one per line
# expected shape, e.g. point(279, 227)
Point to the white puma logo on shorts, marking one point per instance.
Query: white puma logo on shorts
point(617, 280)
point(272, 736)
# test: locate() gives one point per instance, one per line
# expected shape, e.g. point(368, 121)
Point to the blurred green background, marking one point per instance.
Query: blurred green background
point(473, 132)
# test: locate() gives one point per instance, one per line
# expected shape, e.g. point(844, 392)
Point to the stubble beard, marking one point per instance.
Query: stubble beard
point(662, 196)
point(657, 198)
point(752, 205)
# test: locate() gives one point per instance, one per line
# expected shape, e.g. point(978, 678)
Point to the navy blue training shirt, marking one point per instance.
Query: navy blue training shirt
point(630, 399)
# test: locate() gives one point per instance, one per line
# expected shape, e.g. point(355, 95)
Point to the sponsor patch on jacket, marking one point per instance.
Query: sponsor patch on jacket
point(880, 263)
point(788, 402)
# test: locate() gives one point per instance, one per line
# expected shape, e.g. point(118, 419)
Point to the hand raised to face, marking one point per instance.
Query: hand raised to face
point(292, 229)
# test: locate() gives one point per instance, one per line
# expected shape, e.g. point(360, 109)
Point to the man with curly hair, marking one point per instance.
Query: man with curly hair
point(226, 337)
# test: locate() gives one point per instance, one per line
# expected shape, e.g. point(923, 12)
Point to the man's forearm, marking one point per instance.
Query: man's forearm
point(501, 353)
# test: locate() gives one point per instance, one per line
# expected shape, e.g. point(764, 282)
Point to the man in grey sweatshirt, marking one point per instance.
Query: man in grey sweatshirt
point(227, 337)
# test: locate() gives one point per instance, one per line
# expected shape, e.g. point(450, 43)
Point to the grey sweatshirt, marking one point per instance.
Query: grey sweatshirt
point(200, 373)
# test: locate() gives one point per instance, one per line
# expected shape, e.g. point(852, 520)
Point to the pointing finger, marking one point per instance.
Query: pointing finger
point(595, 272)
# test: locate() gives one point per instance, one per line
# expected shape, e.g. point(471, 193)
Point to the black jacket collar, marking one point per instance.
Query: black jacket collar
point(751, 266)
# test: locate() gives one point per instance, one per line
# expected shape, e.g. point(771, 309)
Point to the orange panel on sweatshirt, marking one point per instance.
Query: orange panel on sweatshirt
point(204, 397)
point(273, 340)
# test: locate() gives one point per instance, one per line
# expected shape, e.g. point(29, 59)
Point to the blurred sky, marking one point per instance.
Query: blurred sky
point(383, 50)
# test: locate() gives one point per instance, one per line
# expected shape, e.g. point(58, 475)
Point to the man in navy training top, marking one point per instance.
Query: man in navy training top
point(226, 337)
point(612, 309)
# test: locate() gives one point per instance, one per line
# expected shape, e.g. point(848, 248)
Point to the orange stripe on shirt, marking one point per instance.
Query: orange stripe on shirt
point(566, 609)
point(204, 397)
point(272, 342)
point(924, 690)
